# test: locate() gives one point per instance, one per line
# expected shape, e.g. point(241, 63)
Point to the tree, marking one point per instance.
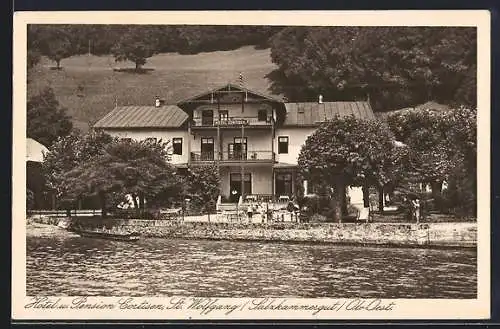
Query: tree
point(33, 55)
point(462, 143)
point(67, 153)
point(203, 185)
point(397, 66)
point(136, 44)
point(442, 146)
point(46, 119)
point(424, 132)
point(141, 169)
point(55, 42)
point(30, 199)
point(347, 151)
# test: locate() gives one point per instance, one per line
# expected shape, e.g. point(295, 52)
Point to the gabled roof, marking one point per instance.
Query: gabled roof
point(166, 116)
point(229, 87)
point(35, 150)
point(313, 113)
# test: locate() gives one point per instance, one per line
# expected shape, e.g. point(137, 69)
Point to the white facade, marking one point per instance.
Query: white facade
point(296, 139)
point(212, 125)
point(163, 134)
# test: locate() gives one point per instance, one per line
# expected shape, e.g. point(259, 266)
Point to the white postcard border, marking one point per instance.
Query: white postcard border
point(403, 308)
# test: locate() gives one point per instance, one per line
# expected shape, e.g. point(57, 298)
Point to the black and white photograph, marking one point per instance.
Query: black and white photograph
point(200, 162)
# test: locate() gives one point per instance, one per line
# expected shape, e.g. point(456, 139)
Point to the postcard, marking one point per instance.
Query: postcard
point(233, 165)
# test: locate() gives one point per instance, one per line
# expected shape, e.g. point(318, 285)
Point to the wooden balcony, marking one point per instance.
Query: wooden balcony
point(233, 157)
point(231, 122)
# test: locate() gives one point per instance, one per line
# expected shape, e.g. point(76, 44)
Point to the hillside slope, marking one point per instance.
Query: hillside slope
point(88, 86)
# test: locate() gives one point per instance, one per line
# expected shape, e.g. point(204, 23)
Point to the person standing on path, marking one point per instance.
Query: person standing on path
point(416, 209)
point(250, 212)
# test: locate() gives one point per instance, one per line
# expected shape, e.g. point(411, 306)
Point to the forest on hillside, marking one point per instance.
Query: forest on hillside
point(139, 42)
point(396, 66)
point(393, 67)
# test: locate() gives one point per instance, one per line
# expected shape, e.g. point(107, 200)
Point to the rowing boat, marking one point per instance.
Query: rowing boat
point(109, 235)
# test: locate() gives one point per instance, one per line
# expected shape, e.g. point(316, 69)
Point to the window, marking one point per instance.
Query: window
point(262, 115)
point(282, 144)
point(283, 184)
point(177, 145)
point(207, 148)
point(207, 118)
point(238, 149)
point(223, 115)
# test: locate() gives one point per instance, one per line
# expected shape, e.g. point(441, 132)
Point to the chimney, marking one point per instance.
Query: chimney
point(157, 101)
point(320, 99)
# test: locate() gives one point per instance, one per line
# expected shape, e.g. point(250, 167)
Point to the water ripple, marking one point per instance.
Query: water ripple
point(154, 267)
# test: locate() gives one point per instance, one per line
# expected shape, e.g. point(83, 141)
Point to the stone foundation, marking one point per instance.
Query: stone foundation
point(453, 235)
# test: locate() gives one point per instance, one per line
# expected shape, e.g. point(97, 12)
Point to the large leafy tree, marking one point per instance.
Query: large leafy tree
point(124, 166)
point(33, 55)
point(442, 146)
point(136, 44)
point(348, 151)
point(67, 153)
point(55, 42)
point(424, 131)
point(46, 119)
point(398, 66)
point(203, 185)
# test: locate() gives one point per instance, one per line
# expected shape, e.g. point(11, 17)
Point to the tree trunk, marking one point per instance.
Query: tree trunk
point(366, 195)
point(381, 199)
point(134, 200)
point(102, 198)
point(141, 205)
point(344, 201)
point(141, 201)
point(58, 63)
point(137, 66)
point(336, 201)
point(436, 187)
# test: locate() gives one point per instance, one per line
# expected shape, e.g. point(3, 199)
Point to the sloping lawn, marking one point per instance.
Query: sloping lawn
point(89, 86)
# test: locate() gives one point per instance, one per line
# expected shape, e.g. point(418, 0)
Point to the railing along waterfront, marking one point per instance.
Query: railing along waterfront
point(64, 213)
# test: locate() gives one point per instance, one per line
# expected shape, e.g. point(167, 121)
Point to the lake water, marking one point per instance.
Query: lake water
point(68, 265)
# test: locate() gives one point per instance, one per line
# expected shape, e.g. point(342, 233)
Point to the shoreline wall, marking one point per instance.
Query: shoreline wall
point(425, 235)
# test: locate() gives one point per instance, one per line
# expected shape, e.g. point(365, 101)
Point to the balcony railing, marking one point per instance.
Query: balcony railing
point(231, 122)
point(250, 156)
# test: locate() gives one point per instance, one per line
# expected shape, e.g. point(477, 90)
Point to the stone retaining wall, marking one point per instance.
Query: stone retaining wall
point(384, 234)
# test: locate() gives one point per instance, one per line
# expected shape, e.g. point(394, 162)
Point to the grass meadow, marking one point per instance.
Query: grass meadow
point(89, 86)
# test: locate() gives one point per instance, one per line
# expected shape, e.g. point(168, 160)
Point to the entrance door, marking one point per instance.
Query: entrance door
point(207, 117)
point(284, 184)
point(235, 186)
point(207, 148)
point(238, 149)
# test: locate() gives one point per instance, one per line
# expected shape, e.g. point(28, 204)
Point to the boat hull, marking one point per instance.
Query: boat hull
point(131, 237)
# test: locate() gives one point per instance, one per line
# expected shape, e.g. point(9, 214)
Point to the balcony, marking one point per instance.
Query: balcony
point(231, 122)
point(233, 157)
